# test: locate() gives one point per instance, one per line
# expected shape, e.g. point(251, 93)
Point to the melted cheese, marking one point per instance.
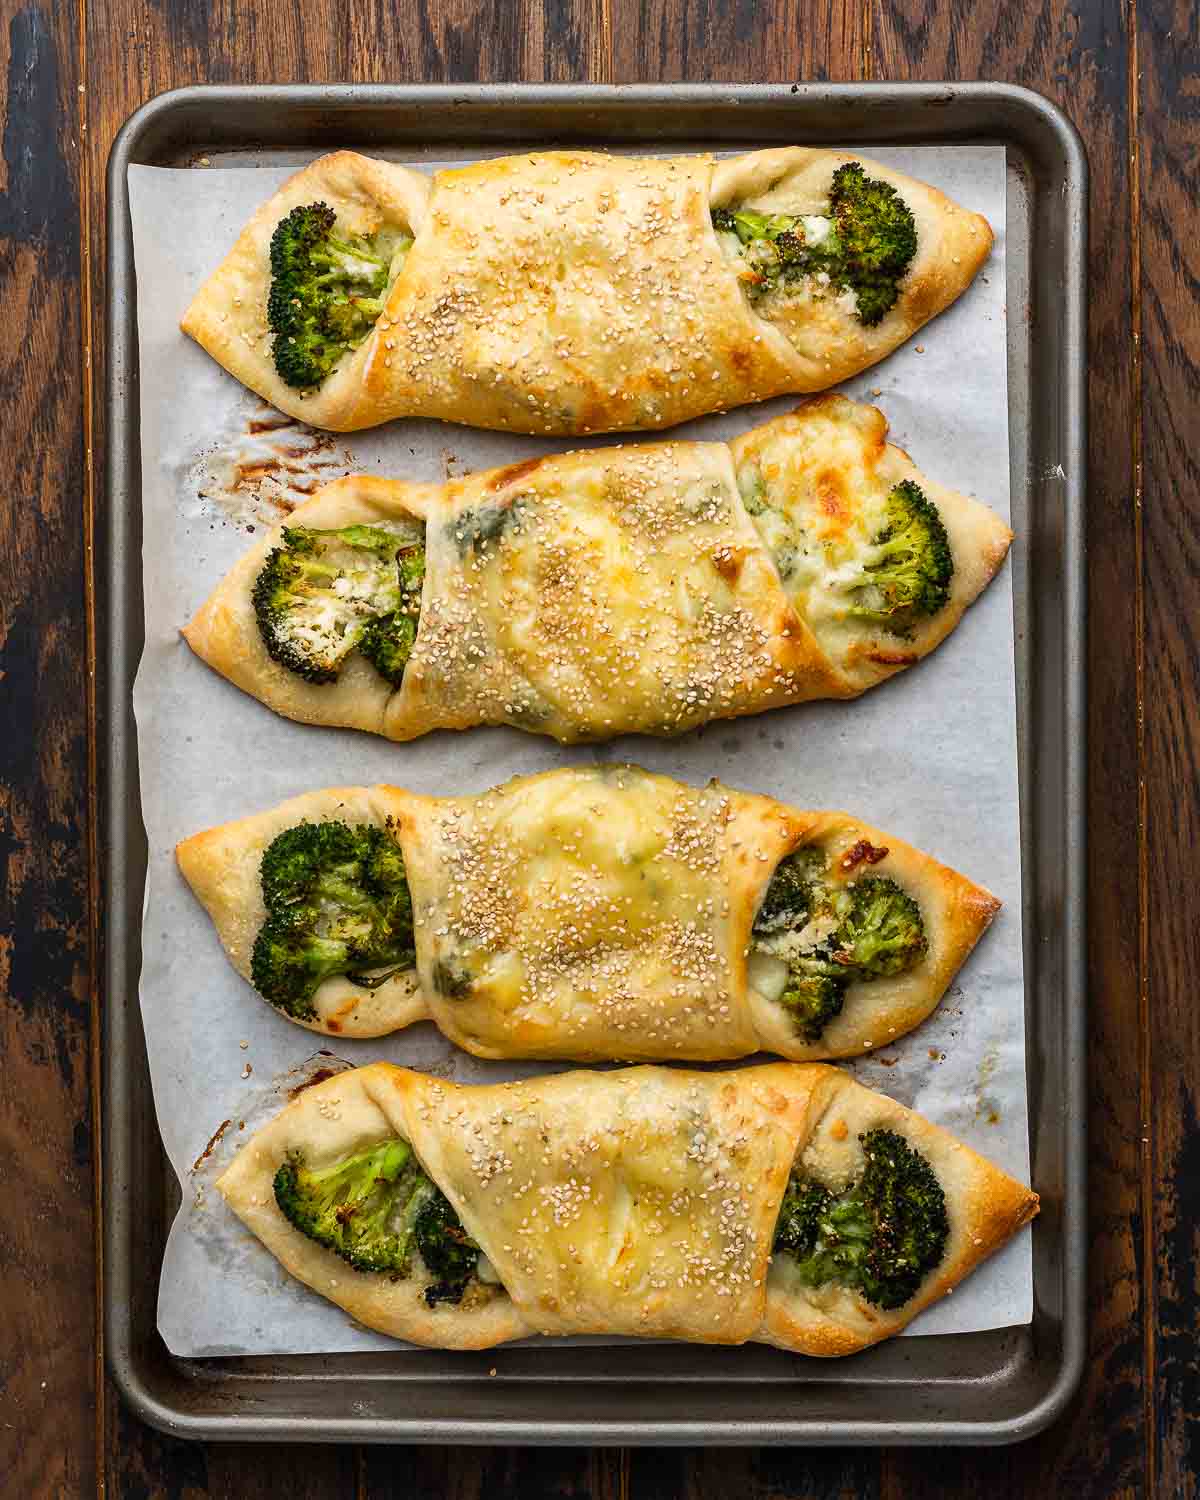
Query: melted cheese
point(604, 592)
point(822, 489)
point(591, 913)
point(571, 292)
point(640, 1202)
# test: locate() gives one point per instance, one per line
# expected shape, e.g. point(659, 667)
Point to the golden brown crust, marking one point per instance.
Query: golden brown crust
point(228, 316)
point(985, 1207)
point(222, 868)
point(826, 470)
point(600, 912)
point(225, 634)
point(573, 292)
point(637, 1202)
point(827, 341)
point(624, 589)
point(571, 622)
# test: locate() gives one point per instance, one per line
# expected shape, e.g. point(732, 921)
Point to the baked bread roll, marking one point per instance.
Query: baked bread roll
point(783, 1204)
point(569, 291)
point(646, 588)
point(591, 913)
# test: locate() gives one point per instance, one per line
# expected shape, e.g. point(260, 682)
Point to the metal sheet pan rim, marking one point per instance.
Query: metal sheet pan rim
point(960, 109)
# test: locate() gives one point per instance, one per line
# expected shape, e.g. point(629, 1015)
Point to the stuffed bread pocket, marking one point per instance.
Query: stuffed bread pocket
point(648, 588)
point(589, 913)
point(570, 291)
point(783, 1204)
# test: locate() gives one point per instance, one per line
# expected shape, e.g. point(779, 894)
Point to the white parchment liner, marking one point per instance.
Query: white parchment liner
point(930, 756)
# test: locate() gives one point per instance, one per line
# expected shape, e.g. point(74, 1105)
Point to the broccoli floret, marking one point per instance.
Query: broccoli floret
point(749, 225)
point(813, 1000)
point(906, 570)
point(323, 594)
point(881, 1236)
point(867, 929)
point(883, 932)
point(792, 893)
point(799, 1221)
point(300, 856)
point(326, 291)
point(373, 1209)
point(289, 962)
point(387, 641)
point(449, 1252)
point(358, 1206)
point(337, 902)
point(866, 248)
point(816, 986)
point(876, 239)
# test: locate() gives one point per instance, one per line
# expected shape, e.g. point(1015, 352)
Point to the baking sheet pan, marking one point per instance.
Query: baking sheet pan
point(210, 1046)
point(975, 1387)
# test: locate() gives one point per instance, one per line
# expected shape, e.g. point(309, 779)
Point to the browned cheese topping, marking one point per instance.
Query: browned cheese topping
point(645, 1184)
point(561, 910)
point(586, 293)
point(602, 592)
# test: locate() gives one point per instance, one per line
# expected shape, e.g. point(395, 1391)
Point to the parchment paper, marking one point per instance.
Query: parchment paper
point(930, 756)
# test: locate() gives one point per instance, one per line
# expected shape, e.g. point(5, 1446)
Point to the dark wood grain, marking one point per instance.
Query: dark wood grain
point(754, 1474)
point(489, 1473)
point(47, 1307)
point(1080, 57)
point(1168, 144)
point(138, 49)
point(663, 41)
point(145, 1465)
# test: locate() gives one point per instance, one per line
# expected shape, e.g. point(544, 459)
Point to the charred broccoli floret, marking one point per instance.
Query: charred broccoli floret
point(881, 1236)
point(387, 643)
point(337, 902)
point(374, 1209)
point(793, 891)
point(882, 933)
point(360, 1207)
point(797, 896)
point(799, 1221)
point(289, 963)
point(905, 572)
point(813, 1000)
point(864, 243)
point(326, 291)
point(876, 239)
point(323, 594)
point(449, 1252)
point(832, 934)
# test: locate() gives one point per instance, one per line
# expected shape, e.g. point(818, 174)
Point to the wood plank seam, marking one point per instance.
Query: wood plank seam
point(604, 54)
point(1145, 1060)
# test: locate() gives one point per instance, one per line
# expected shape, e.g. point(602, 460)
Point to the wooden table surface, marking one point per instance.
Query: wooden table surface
point(1127, 72)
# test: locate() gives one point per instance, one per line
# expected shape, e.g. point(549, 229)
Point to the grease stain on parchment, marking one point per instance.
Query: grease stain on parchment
point(259, 474)
point(987, 1106)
